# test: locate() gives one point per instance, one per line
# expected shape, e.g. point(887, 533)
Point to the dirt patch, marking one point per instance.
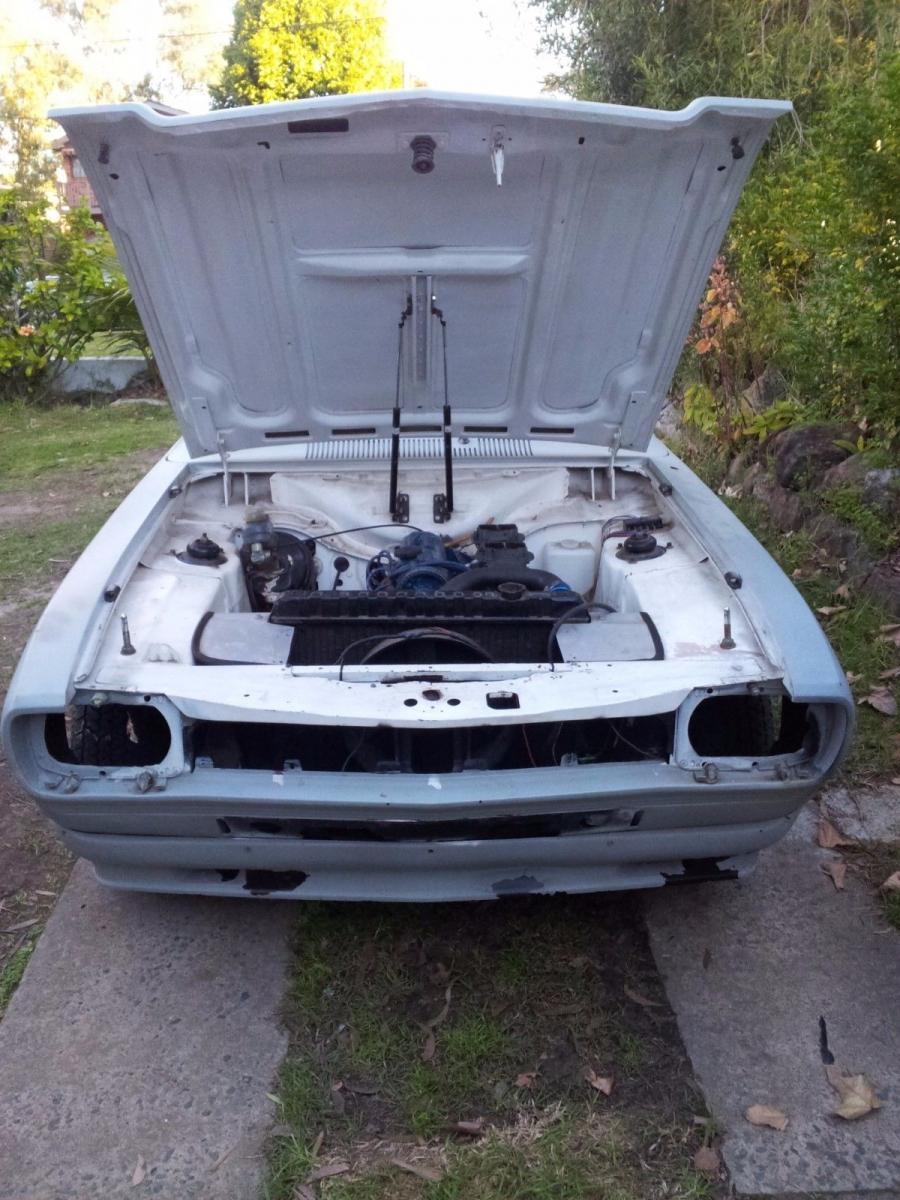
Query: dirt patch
point(34, 866)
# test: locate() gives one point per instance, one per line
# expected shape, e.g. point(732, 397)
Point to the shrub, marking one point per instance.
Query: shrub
point(59, 285)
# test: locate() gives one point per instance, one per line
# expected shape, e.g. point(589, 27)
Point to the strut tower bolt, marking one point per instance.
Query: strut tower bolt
point(727, 642)
point(127, 647)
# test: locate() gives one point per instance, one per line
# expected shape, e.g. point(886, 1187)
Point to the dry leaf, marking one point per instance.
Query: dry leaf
point(843, 592)
point(828, 836)
point(639, 999)
point(442, 1015)
point(469, 1128)
point(882, 700)
point(829, 610)
point(326, 1172)
point(890, 634)
point(762, 1114)
point(836, 872)
point(600, 1083)
point(892, 883)
point(429, 1048)
point(139, 1174)
point(430, 1174)
point(890, 673)
point(856, 1093)
point(707, 1160)
point(21, 925)
point(526, 1079)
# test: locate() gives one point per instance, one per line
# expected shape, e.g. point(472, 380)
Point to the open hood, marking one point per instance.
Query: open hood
point(559, 247)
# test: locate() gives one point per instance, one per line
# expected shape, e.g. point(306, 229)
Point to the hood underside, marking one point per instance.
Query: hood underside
point(544, 270)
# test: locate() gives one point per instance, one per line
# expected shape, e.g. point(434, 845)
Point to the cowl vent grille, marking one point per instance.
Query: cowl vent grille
point(413, 447)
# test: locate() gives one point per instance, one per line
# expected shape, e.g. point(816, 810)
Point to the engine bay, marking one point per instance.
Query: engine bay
point(535, 565)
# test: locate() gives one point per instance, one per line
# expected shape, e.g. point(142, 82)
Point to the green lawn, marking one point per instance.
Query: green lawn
point(36, 440)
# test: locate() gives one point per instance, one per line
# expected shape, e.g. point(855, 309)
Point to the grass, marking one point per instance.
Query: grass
point(13, 970)
point(34, 441)
point(29, 554)
point(405, 1020)
point(877, 861)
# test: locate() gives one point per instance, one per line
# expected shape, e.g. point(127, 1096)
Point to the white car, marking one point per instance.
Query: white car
point(419, 609)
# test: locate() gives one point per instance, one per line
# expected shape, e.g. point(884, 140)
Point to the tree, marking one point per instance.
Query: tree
point(289, 49)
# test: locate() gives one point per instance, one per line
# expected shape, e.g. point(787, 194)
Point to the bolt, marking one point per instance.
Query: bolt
point(127, 647)
point(99, 699)
point(727, 642)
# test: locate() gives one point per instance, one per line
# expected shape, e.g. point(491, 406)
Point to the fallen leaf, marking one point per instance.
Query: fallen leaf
point(326, 1172)
point(430, 1174)
point(890, 634)
point(469, 1128)
point(21, 925)
point(639, 999)
point(762, 1114)
point(892, 883)
point(139, 1174)
point(707, 1160)
point(856, 1093)
point(843, 592)
point(829, 610)
point(836, 871)
point(828, 836)
point(890, 673)
point(893, 627)
point(526, 1079)
point(853, 676)
point(600, 1083)
point(429, 1048)
point(882, 699)
point(442, 1015)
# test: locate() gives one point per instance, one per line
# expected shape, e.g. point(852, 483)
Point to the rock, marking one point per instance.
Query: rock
point(843, 542)
point(785, 508)
point(881, 490)
point(803, 454)
point(765, 389)
point(669, 423)
point(883, 585)
point(849, 473)
point(127, 401)
point(737, 469)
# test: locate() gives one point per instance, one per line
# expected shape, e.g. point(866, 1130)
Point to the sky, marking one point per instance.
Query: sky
point(489, 46)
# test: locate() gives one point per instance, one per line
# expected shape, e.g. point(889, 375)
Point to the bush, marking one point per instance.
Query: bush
point(59, 285)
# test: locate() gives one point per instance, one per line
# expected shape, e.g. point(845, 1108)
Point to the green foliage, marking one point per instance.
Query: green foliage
point(813, 252)
point(290, 49)
point(11, 975)
point(59, 285)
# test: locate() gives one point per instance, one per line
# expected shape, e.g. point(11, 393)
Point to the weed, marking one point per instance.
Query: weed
point(13, 970)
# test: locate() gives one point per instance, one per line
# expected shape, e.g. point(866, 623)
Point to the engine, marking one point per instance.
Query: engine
point(425, 600)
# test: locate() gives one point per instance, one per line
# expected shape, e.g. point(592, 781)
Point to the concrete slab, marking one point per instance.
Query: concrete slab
point(866, 814)
point(749, 968)
point(146, 1027)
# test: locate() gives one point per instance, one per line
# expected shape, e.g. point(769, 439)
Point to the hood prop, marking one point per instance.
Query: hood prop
point(443, 503)
point(398, 502)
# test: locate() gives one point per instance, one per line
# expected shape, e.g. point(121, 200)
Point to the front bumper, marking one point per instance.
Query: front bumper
point(240, 833)
point(421, 871)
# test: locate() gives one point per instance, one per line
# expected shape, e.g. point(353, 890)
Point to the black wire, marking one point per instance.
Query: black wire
point(576, 609)
point(409, 635)
point(363, 528)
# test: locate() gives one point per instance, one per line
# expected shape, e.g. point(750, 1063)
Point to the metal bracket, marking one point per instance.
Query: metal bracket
point(498, 138)
point(226, 477)
point(400, 515)
point(611, 469)
point(441, 510)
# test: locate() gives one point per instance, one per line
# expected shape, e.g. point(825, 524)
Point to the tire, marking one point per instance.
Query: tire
point(102, 737)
